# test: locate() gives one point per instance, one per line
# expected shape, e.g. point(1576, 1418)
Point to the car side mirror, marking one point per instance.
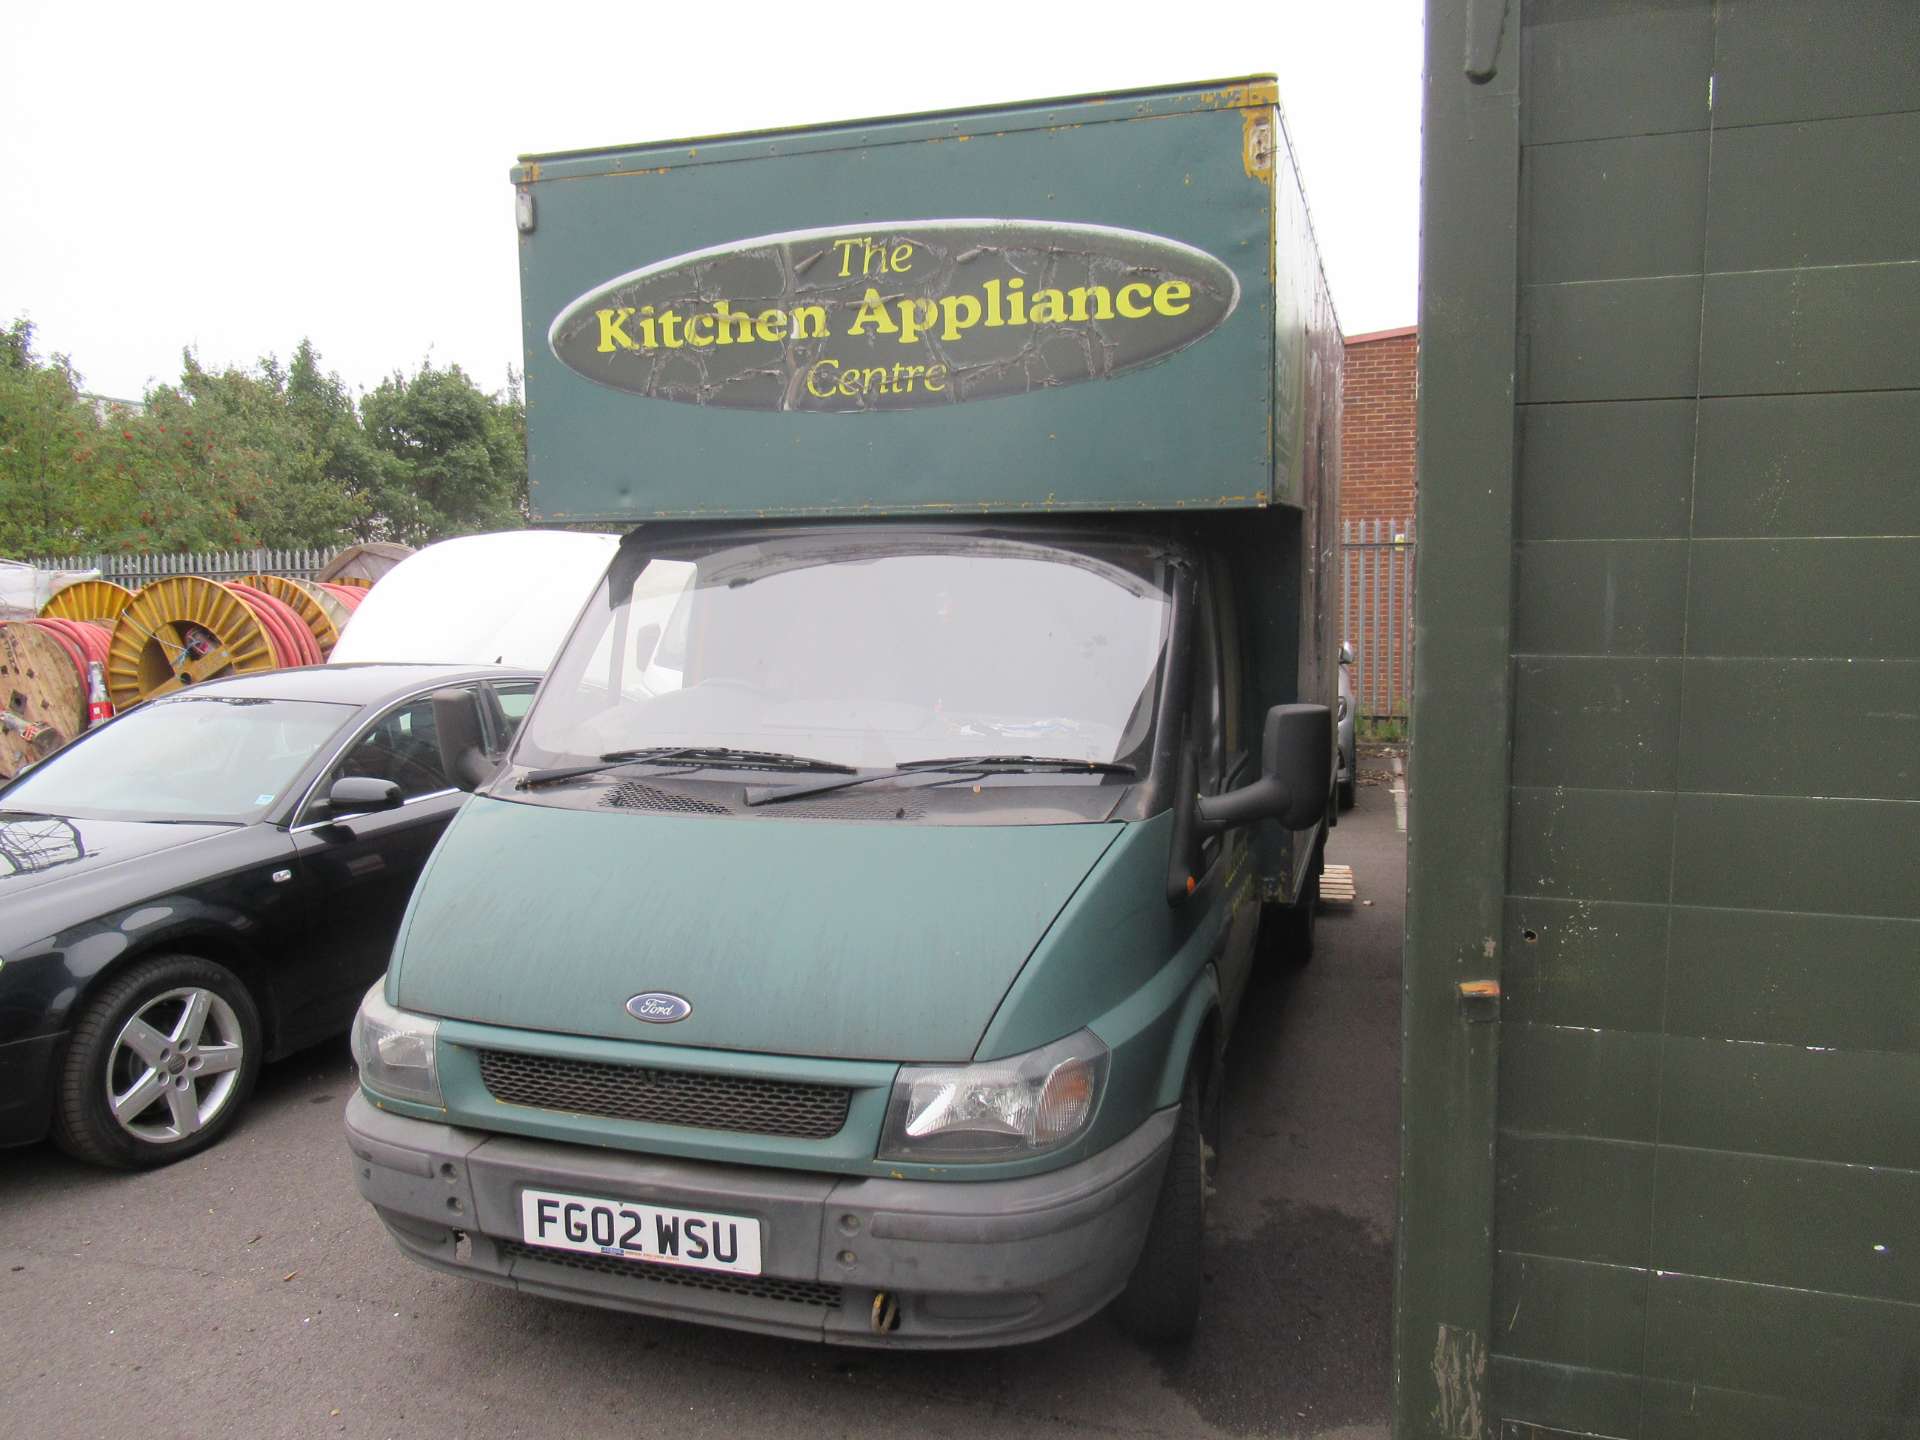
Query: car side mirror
point(1296, 775)
point(463, 748)
point(1346, 652)
point(361, 795)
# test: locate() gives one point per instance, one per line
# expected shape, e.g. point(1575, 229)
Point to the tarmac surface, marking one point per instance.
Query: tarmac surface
point(250, 1292)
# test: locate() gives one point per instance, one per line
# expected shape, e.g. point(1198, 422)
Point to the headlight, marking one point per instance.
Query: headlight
point(394, 1051)
point(1003, 1109)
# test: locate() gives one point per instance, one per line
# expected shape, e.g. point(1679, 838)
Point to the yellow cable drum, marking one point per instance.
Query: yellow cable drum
point(181, 631)
point(88, 600)
point(323, 613)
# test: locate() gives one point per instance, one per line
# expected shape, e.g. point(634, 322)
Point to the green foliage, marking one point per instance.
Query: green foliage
point(269, 456)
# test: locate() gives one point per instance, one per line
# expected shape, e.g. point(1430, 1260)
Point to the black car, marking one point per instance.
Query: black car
point(213, 880)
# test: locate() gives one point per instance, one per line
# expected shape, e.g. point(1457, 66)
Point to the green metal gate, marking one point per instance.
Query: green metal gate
point(1661, 1174)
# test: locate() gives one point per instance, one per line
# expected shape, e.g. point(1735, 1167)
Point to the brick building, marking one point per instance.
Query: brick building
point(1376, 515)
point(1376, 426)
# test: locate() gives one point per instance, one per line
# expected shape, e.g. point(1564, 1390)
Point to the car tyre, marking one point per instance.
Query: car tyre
point(159, 1064)
point(1347, 793)
point(1161, 1301)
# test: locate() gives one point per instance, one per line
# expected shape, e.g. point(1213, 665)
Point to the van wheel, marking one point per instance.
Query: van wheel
point(1286, 931)
point(1161, 1303)
point(160, 1063)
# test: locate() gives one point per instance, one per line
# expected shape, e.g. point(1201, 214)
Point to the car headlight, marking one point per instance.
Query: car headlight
point(1002, 1109)
point(395, 1051)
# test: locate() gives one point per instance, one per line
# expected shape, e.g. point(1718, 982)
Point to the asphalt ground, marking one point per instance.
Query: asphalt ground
point(250, 1292)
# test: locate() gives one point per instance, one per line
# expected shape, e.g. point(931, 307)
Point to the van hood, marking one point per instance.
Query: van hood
point(787, 937)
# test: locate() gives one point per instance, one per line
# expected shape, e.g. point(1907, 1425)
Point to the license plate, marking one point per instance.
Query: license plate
point(630, 1230)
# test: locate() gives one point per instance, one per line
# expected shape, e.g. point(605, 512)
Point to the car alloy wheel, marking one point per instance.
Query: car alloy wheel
point(175, 1065)
point(161, 1059)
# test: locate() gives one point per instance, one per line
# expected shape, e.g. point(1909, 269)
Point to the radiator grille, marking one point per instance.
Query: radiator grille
point(666, 1097)
point(760, 1287)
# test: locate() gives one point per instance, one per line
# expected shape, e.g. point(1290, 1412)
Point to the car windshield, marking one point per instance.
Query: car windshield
point(865, 649)
point(188, 757)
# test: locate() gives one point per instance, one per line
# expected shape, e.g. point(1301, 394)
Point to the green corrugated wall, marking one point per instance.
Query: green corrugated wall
point(1705, 1182)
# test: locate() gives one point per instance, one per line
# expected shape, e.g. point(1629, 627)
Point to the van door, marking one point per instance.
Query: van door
point(1223, 761)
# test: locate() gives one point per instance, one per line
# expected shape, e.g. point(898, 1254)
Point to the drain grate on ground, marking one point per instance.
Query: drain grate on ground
point(758, 1287)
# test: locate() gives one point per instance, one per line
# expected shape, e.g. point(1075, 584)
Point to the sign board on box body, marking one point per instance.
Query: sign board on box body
point(1103, 304)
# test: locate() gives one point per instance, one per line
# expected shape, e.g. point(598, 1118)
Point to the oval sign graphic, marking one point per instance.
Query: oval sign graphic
point(895, 315)
point(657, 1007)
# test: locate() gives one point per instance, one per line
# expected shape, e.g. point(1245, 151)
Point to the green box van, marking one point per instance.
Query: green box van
point(848, 946)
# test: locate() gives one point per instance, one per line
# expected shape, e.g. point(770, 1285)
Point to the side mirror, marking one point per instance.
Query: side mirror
point(463, 748)
point(361, 795)
point(1346, 652)
point(1296, 774)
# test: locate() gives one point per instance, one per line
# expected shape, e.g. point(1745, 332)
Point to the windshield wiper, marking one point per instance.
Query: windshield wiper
point(946, 764)
point(692, 756)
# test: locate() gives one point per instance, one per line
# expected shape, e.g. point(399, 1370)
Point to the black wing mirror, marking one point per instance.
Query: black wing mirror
point(361, 795)
point(1296, 775)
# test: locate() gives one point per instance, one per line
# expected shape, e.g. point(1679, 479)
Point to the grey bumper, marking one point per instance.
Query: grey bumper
point(960, 1263)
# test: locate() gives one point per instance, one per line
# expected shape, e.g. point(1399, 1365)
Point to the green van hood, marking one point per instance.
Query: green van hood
point(791, 937)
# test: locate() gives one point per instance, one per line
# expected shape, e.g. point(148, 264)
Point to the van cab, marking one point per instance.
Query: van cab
point(849, 945)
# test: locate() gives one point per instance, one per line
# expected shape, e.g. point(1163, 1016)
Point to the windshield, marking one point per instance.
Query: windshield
point(188, 757)
point(866, 649)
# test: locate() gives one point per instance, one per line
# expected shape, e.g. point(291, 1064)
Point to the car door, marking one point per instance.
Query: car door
point(360, 869)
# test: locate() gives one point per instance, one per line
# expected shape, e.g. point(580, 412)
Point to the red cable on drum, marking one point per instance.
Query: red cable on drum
point(348, 595)
point(293, 643)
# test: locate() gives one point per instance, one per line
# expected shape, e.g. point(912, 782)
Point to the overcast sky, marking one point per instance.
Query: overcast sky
point(233, 177)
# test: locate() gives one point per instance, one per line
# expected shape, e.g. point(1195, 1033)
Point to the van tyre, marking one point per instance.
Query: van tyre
point(1286, 931)
point(1161, 1302)
point(159, 1064)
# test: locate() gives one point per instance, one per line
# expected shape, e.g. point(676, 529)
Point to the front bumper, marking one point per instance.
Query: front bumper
point(964, 1263)
point(26, 1088)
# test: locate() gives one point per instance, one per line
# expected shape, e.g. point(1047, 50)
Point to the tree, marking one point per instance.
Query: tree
point(49, 440)
point(455, 458)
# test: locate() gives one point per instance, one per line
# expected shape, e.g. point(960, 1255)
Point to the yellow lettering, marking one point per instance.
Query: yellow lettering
point(873, 310)
point(667, 321)
point(845, 247)
point(1138, 310)
point(771, 325)
point(810, 322)
point(1049, 307)
point(648, 336)
point(902, 256)
point(1172, 297)
point(694, 336)
point(1016, 302)
point(1102, 302)
point(875, 379)
point(725, 316)
point(953, 308)
point(849, 382)
point(916, 318)
point(815, 369)
point(611, 331)
point(941, 382)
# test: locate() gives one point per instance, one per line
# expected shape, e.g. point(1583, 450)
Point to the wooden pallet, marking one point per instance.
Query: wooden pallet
point(1336, 885)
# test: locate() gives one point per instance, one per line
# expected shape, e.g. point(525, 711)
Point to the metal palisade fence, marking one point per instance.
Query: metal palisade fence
point(133, 571)
point(1376, 587)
